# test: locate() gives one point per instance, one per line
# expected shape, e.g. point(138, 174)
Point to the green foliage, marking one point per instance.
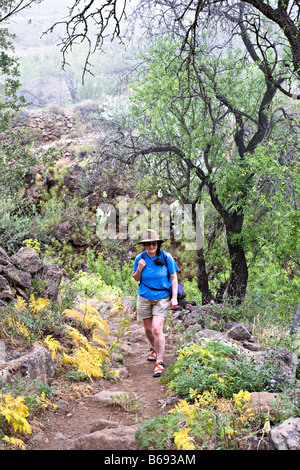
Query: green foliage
point(209, 423)
point(15, 223)
point(113, 272)
point(286, 405)
point(263, 184)
point(33, 391)
point(192, 291)
point(92, 285)
point(9, 75)
point(216, 381)
point(217, 366)
point(157, 433)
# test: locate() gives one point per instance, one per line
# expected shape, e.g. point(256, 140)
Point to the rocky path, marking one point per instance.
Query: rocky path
point(92, 422)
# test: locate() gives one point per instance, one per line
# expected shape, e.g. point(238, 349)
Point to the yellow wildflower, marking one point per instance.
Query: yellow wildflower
point(183, 440)
point(20, 305)
point(38, 305)
point(14, 443)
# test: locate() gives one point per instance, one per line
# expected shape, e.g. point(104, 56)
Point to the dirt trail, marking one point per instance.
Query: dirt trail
point(57, 430)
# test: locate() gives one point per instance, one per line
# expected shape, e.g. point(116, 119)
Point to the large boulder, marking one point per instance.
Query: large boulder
point(112, 438)
point(52, 275)
point(16, 276)
point(286, 435)
point(240, 332)
point(35, 364)
point(27, 259)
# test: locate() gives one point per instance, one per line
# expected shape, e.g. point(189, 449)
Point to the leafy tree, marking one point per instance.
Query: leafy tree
point(208, 139)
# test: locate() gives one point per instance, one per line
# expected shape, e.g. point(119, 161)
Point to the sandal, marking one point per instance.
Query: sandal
point(152, 355)
point(159, 369)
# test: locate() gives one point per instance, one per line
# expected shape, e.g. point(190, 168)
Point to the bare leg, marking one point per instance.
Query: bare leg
point(154, 332)
point(148, 330)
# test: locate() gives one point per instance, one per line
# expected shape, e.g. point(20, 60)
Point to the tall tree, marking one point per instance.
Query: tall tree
point(200, 130)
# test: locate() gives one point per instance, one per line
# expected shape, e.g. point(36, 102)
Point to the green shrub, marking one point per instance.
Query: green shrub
point(113, 272)
point(92, 285)
point(217, 366)
point(16, 222)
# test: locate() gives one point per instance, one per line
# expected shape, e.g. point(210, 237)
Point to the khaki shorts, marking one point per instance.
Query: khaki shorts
point(146, 308)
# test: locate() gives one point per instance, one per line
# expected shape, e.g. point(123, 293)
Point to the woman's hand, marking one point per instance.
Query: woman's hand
point(173, 302)
point(138, 273)
point(141, 265)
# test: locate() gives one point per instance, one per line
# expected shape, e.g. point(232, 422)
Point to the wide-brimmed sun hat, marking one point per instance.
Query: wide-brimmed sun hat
point(150, 236)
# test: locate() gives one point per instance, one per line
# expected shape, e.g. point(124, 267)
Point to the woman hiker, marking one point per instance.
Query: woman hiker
point(157, 272)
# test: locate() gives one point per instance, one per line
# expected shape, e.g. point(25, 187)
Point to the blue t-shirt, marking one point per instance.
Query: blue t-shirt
point(155, 276)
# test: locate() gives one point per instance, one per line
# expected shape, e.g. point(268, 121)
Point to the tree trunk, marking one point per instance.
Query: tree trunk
point(202, 279)
point(295, 321)
point(237, 284)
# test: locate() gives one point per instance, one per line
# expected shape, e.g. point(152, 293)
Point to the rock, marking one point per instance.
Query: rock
point(285, 360)
point(62, 231)
point(37, 438)
point(261, 402)
point(177, 309)
point(256, 443)
point(239, 332)
point(251, 346)
point(286, 435)
point(202, 309)
point(178, 315)
point(52, 274)
point(203, 315)
point(17, 277)
point(59, 436)
point(4, 255)
point(208, 334)
point(119, 438)
point(103, 424)
point(136, 335)
point(105, 310)
point(6, 291)
point(193, 318)
point(36, 364)
point(123, 372)
point(28, 260)
point(186, 304)
point(109, 397)
point(126, 349)
point(17, 274)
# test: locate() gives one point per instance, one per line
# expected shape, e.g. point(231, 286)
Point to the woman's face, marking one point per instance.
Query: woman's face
point(151, 248)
